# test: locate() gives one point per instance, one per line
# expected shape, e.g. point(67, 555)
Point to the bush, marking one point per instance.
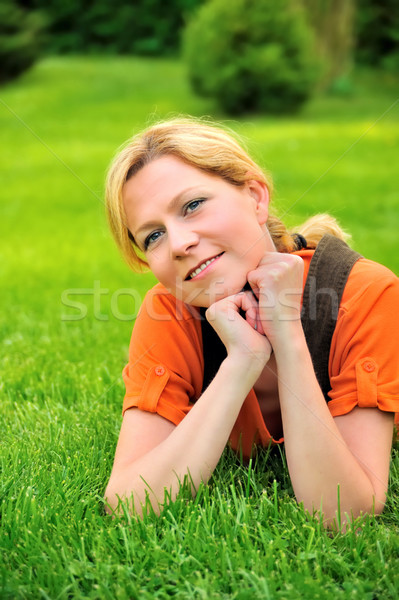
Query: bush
point(150, 27)
point(20, 37)
point(377, 28)
point(251, 55)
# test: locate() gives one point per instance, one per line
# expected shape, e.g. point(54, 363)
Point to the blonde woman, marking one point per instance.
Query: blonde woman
point(185, 199)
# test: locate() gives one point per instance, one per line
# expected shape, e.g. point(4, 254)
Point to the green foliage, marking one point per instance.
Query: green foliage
point(149, 27)
point(20, 39)
point(377, 25)
point(251, 55)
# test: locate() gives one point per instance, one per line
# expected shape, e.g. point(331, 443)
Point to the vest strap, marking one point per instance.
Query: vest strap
point(329, 270)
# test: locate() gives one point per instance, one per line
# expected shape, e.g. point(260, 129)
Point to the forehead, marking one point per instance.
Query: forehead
point(165, 170)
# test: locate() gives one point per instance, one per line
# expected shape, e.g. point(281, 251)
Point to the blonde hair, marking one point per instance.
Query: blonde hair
point(208, 148)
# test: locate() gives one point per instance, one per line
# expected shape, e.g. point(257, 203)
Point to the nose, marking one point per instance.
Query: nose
point(181, 239)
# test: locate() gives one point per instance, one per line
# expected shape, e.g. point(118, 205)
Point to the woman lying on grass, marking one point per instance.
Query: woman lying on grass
point(185, 199)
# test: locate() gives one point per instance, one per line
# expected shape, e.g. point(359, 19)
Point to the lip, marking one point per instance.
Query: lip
point(204, 271)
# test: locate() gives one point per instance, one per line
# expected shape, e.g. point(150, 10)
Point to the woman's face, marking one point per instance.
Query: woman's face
point(200, 234)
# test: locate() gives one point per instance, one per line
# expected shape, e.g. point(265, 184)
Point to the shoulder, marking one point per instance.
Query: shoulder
point(165, 368)
point(160, 304)
point(165, 321)
point(367, 280)
point(367, 284)
point(368, 320)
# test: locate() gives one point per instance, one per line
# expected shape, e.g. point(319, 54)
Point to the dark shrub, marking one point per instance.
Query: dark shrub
point(377, 28)
point(20, 39)
point(150, 27)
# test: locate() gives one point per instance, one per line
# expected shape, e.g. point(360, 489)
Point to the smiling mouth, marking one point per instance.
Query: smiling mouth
point(202, 267)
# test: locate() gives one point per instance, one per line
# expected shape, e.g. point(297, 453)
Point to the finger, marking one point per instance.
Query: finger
point(259, 324)
point(248, 303)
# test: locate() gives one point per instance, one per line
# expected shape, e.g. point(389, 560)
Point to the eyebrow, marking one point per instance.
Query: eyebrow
point(170, 208)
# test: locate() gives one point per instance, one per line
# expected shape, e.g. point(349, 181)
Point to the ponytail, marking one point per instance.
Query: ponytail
point(312, 230)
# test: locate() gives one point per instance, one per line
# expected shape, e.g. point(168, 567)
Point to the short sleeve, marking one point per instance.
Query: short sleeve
point(364, 360)
point(165, 370)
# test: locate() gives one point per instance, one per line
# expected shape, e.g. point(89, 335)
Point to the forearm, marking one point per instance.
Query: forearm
point(318, 458)
point(193, 448)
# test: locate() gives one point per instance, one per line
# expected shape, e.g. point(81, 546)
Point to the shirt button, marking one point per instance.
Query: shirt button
point(368, 366)
point(159, 371)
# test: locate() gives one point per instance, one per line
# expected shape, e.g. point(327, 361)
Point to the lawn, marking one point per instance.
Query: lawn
point(67, 308)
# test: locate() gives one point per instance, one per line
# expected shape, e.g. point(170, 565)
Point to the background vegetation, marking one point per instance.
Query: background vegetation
point(280, 53)
point(20, 39)
point(61, 389)
point(377, 33)
point(252, 56)
point(149, 27)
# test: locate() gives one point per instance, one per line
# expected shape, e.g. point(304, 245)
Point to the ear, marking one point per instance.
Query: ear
point(260, 193)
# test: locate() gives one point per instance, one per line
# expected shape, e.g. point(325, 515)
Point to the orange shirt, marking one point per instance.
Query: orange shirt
point(165, 369)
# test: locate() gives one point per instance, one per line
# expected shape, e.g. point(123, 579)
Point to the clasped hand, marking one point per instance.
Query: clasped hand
point(272, 308)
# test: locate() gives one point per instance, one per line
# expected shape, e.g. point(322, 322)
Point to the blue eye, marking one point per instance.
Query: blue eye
point(188, 208)
point(193, 205)
point(150, 239)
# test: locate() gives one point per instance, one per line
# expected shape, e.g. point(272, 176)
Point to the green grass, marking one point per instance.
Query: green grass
point(61, 388)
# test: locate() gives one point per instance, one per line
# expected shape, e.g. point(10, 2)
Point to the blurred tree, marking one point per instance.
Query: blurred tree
point(252, 54)
point(20, 39)
point(121, 26)
point(377, 30)
point(333, 24)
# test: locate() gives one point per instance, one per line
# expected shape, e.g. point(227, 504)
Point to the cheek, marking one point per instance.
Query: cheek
point(247, 235)
point(232, 226)
point(160, 267)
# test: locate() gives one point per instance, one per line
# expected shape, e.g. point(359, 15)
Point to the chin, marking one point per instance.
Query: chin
point(203, 298)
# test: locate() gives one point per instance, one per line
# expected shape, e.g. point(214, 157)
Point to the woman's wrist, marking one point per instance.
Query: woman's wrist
point(289, 338)
point(242, 365)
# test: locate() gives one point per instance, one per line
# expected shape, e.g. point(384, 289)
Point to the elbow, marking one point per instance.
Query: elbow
point(342, 514)
point(111, 500)
point(116, 503)
point(115, 499)
point(371, 504)
point(378, 504)
point(119, 502)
